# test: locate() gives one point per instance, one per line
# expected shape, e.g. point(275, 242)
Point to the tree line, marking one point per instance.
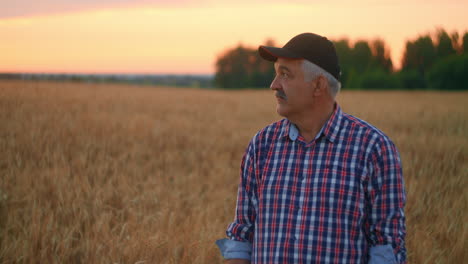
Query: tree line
point(436, 60)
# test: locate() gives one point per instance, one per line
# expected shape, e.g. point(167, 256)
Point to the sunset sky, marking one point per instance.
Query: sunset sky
point(186, 36)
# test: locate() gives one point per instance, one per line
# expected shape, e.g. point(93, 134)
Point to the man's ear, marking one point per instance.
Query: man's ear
point(320, 85)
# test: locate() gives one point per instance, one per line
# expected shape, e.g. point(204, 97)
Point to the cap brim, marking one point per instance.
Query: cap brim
point(273, 53)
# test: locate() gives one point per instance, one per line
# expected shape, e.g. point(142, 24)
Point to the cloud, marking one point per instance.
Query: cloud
point(25, 8)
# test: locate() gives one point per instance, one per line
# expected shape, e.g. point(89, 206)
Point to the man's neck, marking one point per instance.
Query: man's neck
point(310, 124)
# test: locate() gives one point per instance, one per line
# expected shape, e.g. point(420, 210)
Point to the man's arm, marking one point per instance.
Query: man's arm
point(386, 198)
point(241, 230)
point(236, 250)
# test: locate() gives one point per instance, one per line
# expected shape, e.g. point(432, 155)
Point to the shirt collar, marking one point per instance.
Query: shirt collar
point(330, 129)
point(332, 126)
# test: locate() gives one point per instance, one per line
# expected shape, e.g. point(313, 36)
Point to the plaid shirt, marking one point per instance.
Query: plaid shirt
point(331, 200)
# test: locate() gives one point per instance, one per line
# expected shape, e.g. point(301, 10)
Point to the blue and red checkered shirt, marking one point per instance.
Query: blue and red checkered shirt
point(331, 200)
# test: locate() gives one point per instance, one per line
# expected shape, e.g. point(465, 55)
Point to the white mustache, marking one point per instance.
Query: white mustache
point(281, 94)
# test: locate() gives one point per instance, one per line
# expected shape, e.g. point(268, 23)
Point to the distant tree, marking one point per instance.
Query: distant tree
point(343, 49)
point(457, 45)
point(378, 79)
point(411, 79)
point(444, 44)
point(429, 61)
point(344, 53)
point(354, 79)
point(450, 73)
point(381, 55)
point(374, 66)
point(419, 56)
point(261, 72)
point(465, 43)
point(231, 70)
point(362, 56)
point(242, 67)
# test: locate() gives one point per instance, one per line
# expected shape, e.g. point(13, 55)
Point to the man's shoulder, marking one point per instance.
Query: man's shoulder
point(271, 131)
point(366, 129)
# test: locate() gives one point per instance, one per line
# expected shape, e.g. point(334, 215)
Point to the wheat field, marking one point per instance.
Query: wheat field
point(102, 173)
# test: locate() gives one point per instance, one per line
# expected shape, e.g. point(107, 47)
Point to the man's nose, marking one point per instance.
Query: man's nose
point(275, 84)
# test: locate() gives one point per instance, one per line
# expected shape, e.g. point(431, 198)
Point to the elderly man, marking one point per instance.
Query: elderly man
point(319, 186)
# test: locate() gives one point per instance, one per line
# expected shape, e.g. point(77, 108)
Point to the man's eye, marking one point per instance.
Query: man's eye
point(284, 75)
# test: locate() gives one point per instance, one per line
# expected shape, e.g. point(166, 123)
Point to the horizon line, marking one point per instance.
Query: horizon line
point(106, 73)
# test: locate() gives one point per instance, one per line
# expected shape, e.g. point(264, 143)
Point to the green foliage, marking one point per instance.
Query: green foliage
point(437, 61)
point(444, 45)
point(465, 43)
point(362, 56)
point(363, 62)
point(343, 50)
point(241, 68)
point(381, 56)
point(450, 73)
point(377, 80)
point(411, 79)
point(419, 54)
point(434, 65)
point(352, 81)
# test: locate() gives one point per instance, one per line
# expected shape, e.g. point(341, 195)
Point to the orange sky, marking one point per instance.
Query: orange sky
point(185, 36)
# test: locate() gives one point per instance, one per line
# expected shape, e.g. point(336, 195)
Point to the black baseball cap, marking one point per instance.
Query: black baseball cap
point(312, 47)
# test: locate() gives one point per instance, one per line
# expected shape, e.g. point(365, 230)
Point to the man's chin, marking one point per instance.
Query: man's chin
point(281, 111)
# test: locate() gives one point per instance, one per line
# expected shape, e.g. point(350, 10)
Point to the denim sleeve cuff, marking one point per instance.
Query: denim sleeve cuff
point(382, 254)
point(232, 249)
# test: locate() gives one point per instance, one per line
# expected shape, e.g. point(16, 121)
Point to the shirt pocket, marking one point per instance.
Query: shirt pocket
point(335, 195)
point(343, 185)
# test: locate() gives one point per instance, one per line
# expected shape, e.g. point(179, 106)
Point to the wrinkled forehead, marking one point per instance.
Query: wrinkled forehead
point(291, 65)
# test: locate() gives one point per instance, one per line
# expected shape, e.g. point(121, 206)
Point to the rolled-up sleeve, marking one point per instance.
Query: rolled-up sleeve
point(241, 230)
point(232, 249)
point(385, 202)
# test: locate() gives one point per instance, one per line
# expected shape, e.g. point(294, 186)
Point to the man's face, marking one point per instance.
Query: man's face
point(293, 93)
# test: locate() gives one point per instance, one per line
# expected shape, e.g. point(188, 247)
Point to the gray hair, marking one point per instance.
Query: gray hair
point(312, 71)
